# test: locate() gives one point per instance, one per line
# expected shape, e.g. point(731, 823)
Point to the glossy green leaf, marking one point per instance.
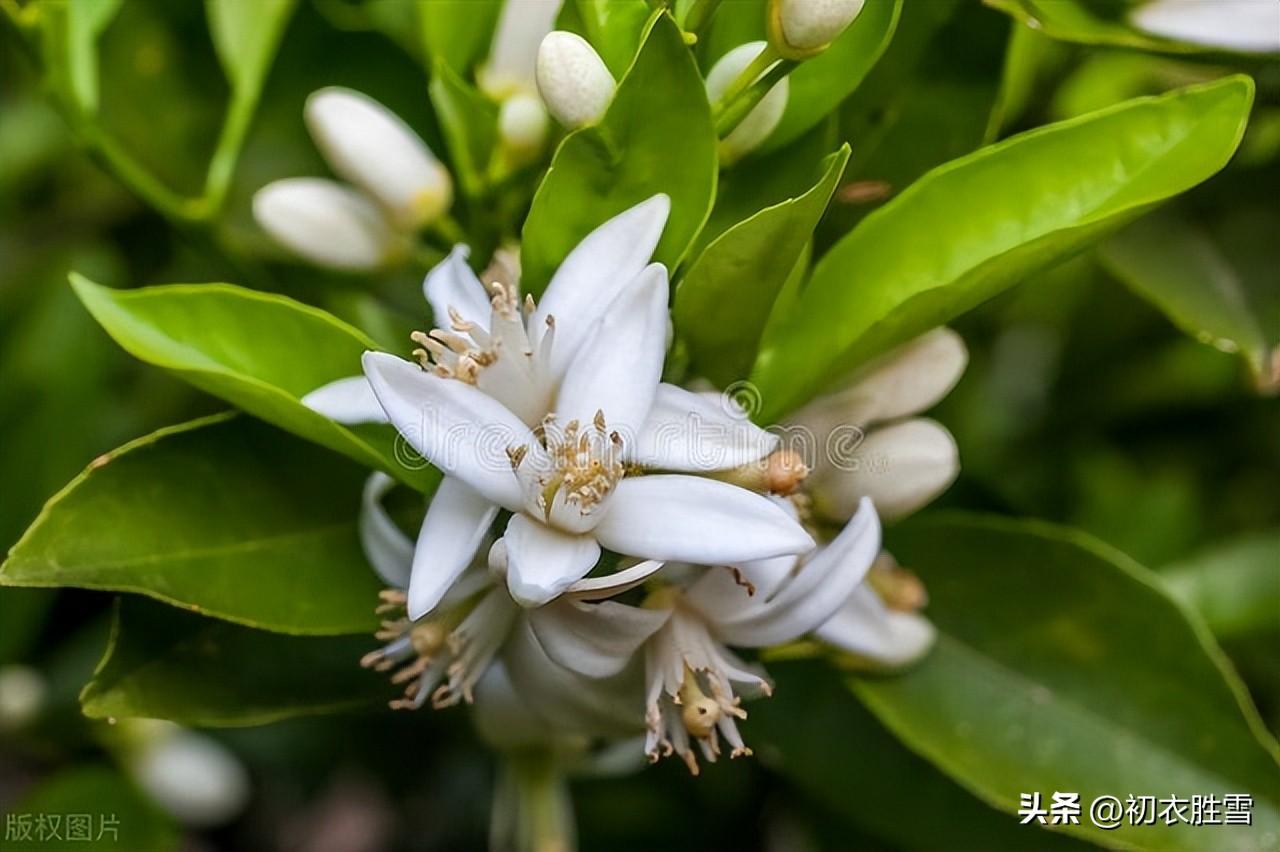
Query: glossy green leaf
point(245, 35)
point(1234, 586)
point(225, 516)
point(613, 27)
point(971, 228)
point(1061, 665)
point(163, 663)
point(70, 40)
point(843, 757)
point(1177, 266)
point(820, 84)
point(656, 137)
point(469, 122)
point(458, 32)
point(91, 808)
point(726, 296)
point(1097, 23)
point(258, 351)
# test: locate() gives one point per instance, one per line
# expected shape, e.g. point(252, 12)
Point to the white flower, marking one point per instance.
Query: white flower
point(867, 626)
point(799, 29)
point(543, 409)
point(327, 223)
point(573, 80)
point(695, 683)
point(372, 147)
point(513, 53)
point(761, 121)
point(1247, 25)
point(192, 776)
point(866, 442)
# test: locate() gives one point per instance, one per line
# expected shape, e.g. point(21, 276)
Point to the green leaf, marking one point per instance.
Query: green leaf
point(1098, 23)
point(225, 516)
point(458, 32)
point(656, 137)
point(843, 757)
point(469, 121)
point(1178, 267)
point(1234, 586)
point(163, 663)
point(258, 351)
point(978, 225)
point(820, 84)
point(70, 40)
point(245, 35)
point(613, 27)
point(725, 298)
point(119, 817)
point(1062, 665)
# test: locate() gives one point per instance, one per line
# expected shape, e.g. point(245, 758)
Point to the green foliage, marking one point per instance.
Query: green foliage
point(656, 137)
point(1057, 663)
point(260, 352)
point(1235, 586)
point(131, 822)
point(470, 125)
point(457, 33)
point(988, 220)
point(613, 27)
point(71, 32)
point(166, 664)
point(223, 516)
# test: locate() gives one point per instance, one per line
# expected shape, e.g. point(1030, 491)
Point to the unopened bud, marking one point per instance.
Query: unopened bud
point(22, 696)
point(373, 148)
point(762, 120)
point(801, 29)
point(781, 472)
point(900, 589)
point(327, 224)
point(522, 126)
point(573, 80)
point(193, 777)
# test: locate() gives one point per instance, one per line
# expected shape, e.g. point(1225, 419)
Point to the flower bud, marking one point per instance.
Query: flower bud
point(373, 148)
point(800, 29)
point(513, 53)
point(522, 126)
point(190, 775)
point(573, 80)
point(761, 121)
point(22, 696)
point(327, 224)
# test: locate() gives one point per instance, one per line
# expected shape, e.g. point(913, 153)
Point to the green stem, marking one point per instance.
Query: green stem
point(699, 14)
point(222, 167)
point(448, 228)
point(758, 66)
point(532, 810)
point(734, 111)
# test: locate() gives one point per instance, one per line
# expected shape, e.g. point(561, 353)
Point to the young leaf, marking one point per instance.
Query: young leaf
point(245, 35)
point(224, 516)
point(70, 41)
point(1061, 665)
point(725, 298)
point(971, 228)
point(120, 817)
point(656, 137)
point(163, 663)
point(1179, 268)
point(258, 351)
point(613, 27)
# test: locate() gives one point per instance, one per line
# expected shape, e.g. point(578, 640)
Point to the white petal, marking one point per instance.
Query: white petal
point(385, 545)
point(802, 603)
point(763, 118)
point(695, 432)
point(502, 716)
point(900, 467)
point(810, 24)
point(599, 588)
point(326, 223)
point(452, 284)
point(542, 562)
point(692, 519)
point(513, 54)
point(906, 381)
point(595, 272)
point(573, 80)
point(373, 148)
point(1248, 25)
point(618, 368)
point(595, 640)
point(346, 401)
point(454, 426)
point(456, 523)
point(865, 626)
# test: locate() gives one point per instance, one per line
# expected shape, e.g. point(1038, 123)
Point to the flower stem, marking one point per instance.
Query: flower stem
point(735, 110)
point(532, 811)
point(699, 14)
point(758, 66)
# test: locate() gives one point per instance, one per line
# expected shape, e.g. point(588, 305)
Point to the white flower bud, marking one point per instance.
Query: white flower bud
point(522, 126)
point(327, 224)
point(22, 696)
point(1244, 25)
point(190, 775)
point(800, 29)
point(573, 80)
point(513, 54)
point(373, 148)
point(761, 121)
